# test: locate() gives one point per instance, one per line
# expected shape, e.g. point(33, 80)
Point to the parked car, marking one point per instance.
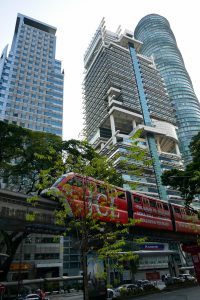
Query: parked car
point(127, 287)
point(186, 277)
point(143, 283)
point(112, 294)
point(173, 280)
point(32, 297)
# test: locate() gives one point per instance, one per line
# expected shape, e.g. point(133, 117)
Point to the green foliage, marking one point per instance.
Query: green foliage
point(135, 159)
point(39, 159)
point(108, 240)
point(31, 161)
point(187, 182)
point(24, 154)
point(30, 217)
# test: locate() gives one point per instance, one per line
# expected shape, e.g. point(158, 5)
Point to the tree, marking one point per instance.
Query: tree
point(133, 160)
point(106, 239)
point(30, 161)
point(24, 154)
point(9, 242)
point(41, 158)
point(110, 237)
point(187, 181)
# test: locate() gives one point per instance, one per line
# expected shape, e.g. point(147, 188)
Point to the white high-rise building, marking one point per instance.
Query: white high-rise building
point(31, 79)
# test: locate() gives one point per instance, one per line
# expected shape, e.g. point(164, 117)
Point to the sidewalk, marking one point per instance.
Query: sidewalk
point(64, 295)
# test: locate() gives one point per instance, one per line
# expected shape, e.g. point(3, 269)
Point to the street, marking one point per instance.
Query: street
point(192, 293)
point(71, 296)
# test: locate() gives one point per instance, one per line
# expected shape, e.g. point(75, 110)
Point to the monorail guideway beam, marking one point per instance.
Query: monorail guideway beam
point(161, 235)
point(14, 208)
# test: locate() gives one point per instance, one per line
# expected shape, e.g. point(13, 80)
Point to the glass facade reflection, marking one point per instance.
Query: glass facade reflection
point(159, 41)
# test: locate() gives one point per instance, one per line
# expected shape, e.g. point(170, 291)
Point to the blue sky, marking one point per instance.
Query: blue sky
point(76, 22)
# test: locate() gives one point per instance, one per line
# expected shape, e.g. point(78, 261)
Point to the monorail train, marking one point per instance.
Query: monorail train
point(114, 204)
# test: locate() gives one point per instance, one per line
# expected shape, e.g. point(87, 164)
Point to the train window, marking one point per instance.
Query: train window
point(177, 210)
point(121, 195)
point(145, 201)
point(77, 182)
point(165, 206)
point(58, 181)
point(91, 187)
point(112, 193)
point(137, 199)
point(159, 205)
point(152, 203)
point(71, 181)
point(183, 211)
point(101, 189)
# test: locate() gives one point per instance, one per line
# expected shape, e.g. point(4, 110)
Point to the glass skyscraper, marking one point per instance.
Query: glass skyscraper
point(159, 41)
point(31, 80)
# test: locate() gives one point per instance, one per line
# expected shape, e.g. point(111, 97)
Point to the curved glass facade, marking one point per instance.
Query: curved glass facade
point(158, 40)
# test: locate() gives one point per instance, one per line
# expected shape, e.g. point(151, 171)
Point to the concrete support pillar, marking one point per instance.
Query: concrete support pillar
point(158, 144)
point(109, 99)
point(112, 124)
point(102, 145)
point(134, 124)
point(177, 149)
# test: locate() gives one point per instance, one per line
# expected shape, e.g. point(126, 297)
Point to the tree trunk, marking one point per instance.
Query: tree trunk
point(85, 276)
point(12, 242)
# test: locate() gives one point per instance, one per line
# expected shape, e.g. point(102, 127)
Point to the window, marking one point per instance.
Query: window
point(152, 203)
point(145, 201)
point(101, 189)
point(183, 212)
point(165, 206)
point(77, 182)
point(137, 199)
point(177, 210)
point(27, 256)
point(121, 195)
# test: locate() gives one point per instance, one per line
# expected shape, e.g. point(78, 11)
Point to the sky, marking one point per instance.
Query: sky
point(76, 22)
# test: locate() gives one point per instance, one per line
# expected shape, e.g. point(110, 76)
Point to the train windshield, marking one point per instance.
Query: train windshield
point(58, 181)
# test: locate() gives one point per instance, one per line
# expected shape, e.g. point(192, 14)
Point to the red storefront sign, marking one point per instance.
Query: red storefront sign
point(153, 276)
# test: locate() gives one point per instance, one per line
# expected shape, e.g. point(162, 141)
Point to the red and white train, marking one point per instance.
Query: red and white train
point(114, 204)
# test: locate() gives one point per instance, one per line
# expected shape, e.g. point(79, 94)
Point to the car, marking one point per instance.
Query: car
point(181, 278)
point(32, 297)
point(127, 287)
point(186, 277)
point(112, 294)
point(143, 283)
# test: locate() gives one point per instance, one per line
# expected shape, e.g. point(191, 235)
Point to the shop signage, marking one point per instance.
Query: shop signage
point(152, 247)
